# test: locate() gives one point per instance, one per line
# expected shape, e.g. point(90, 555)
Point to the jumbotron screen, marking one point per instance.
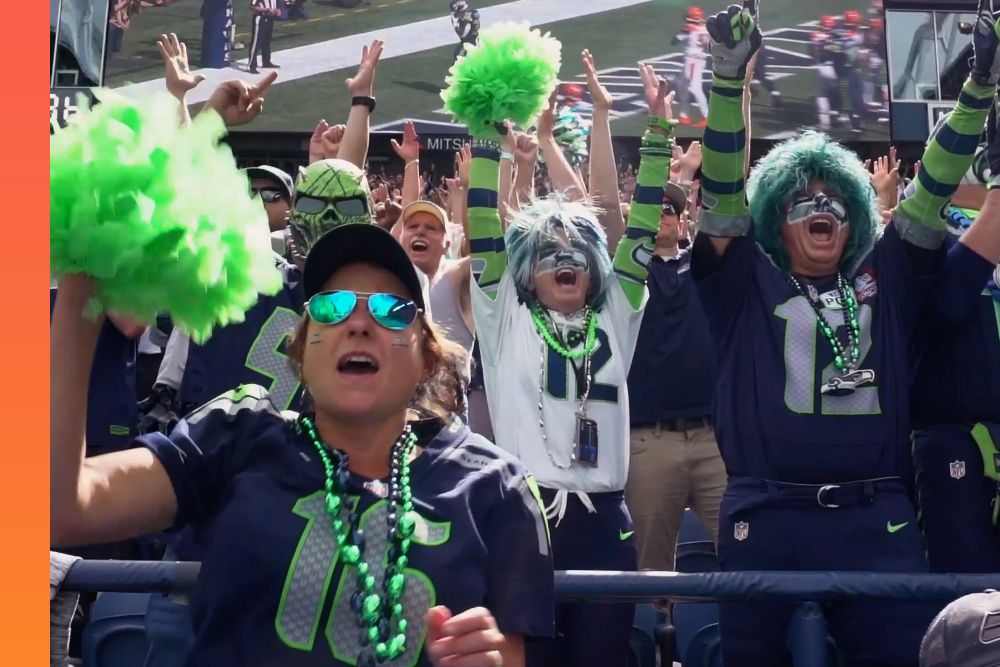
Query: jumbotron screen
point(823, 65)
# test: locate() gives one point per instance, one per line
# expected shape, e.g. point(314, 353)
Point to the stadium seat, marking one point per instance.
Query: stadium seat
point(116, 633)
point(696, 557)
point(643, 640)
point(169, 632)
point(705, 649)
point(692, 530)
point(692, 621)
point(109, 605)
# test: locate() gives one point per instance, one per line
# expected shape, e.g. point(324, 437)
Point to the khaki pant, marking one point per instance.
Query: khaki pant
point(668, 471)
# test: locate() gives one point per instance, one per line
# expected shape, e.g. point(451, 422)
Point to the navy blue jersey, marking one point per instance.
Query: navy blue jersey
point(112, 412)
point(958, 375)
point(772, 421)
point(251, 352)
point(271, 590)
point(673, 368)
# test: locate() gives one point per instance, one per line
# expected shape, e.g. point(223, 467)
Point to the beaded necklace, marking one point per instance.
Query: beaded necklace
point(380, 616)
point(548, 334)
point(549, 340)
point(845, 359)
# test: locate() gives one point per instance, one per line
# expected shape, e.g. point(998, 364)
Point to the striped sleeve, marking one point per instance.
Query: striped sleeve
point(919, 218)
point(725, 211)
point(635, 250)
point(486, 242)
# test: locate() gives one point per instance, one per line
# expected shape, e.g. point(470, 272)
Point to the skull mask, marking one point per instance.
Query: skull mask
point(328, 193)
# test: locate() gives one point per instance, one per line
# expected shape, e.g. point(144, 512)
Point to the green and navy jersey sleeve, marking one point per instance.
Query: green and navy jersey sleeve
point(725, 211)
point(635, 250)
point(920, 216)
point(486, 241)
point(208, 448)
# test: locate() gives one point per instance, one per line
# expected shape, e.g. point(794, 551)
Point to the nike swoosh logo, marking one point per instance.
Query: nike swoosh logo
point(895, 528)
point(624, 536)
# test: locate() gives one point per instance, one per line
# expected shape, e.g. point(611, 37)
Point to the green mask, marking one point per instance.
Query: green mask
point(328, 193)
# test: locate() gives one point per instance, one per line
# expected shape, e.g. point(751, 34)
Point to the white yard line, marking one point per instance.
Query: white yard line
point(344, 52)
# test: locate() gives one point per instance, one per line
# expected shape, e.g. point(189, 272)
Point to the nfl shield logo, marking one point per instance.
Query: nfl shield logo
point(741, 530)
point(957, 469)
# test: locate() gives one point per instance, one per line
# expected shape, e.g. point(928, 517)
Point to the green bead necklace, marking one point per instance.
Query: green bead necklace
point(845, 359)
point(548, 335)
point(381, 618)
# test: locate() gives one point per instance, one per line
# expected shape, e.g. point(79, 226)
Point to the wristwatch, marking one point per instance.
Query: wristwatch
point(363, 101)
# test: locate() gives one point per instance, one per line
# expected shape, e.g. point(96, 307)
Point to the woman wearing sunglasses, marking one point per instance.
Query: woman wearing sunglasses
point(328, 535)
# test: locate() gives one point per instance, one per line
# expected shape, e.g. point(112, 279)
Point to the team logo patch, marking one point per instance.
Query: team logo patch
point(956, 469)
point(741, 530)
point(865, 286)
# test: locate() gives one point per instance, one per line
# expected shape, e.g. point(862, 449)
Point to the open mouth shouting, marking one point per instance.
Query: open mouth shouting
point(419, 245)
point(357, 364)
point(821, 228)
point(566, 277)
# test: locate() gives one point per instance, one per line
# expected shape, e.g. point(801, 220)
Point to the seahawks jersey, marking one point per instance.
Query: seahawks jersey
point(772, 420)
point(271, 589)
point(958, 375)
point(466, 24)
point(520, 367)
point(112, 413)
point(251, 352)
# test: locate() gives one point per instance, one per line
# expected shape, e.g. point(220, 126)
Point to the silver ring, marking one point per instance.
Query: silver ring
point(824, 489)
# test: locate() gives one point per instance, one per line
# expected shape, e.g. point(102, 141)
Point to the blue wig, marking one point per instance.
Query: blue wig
point(787, 170)
point(535, 224)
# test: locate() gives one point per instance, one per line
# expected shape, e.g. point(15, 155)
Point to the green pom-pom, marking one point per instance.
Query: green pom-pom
point(157, 214)
point(508, 75)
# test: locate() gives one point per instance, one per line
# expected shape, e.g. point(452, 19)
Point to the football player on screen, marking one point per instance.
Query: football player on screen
point(695, 41)
point(465, 20)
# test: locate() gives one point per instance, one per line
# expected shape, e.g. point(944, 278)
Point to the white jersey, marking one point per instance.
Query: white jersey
point(695, 43)
point(512, 352)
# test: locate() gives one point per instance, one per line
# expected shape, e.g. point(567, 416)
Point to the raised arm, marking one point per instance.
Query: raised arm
point(354, 146)
point(526, 156)
point(983, 237)
point(486, 242)
point(734, 40)
point(603, 174)
point(564, 177)
point(631, 260)
point(409, 153)
point(180, 81)
point(105, 498)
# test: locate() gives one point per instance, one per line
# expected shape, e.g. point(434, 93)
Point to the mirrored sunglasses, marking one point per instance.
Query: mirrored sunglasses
point(269, 195)
point(388, 310)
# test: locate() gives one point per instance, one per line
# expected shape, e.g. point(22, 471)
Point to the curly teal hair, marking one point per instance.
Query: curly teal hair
point(787, 169)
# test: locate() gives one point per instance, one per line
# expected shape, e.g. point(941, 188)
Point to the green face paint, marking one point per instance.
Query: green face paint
point(328, 193)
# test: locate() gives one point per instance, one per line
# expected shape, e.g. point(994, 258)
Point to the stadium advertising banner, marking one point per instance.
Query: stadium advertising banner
point(822, 66)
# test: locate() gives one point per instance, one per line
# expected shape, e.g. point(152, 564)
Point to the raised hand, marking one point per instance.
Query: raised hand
point(363, 81)
point(735, 38)
point(598, 93)
point(409, 150)
point(654, 87)
point(885, 179)
point(547, 119)
point(993, 145)
point(463, 162)
point(689, 162)
point(316, 141)
point(239, 102)
point(525, 148)
point(985, 65)
point(178, 74)
point(332, 138)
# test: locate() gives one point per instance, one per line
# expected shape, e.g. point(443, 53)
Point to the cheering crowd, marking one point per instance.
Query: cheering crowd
point(805, 352)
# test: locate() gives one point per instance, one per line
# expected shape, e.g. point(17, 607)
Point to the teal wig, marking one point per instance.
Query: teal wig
point(788, 169)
